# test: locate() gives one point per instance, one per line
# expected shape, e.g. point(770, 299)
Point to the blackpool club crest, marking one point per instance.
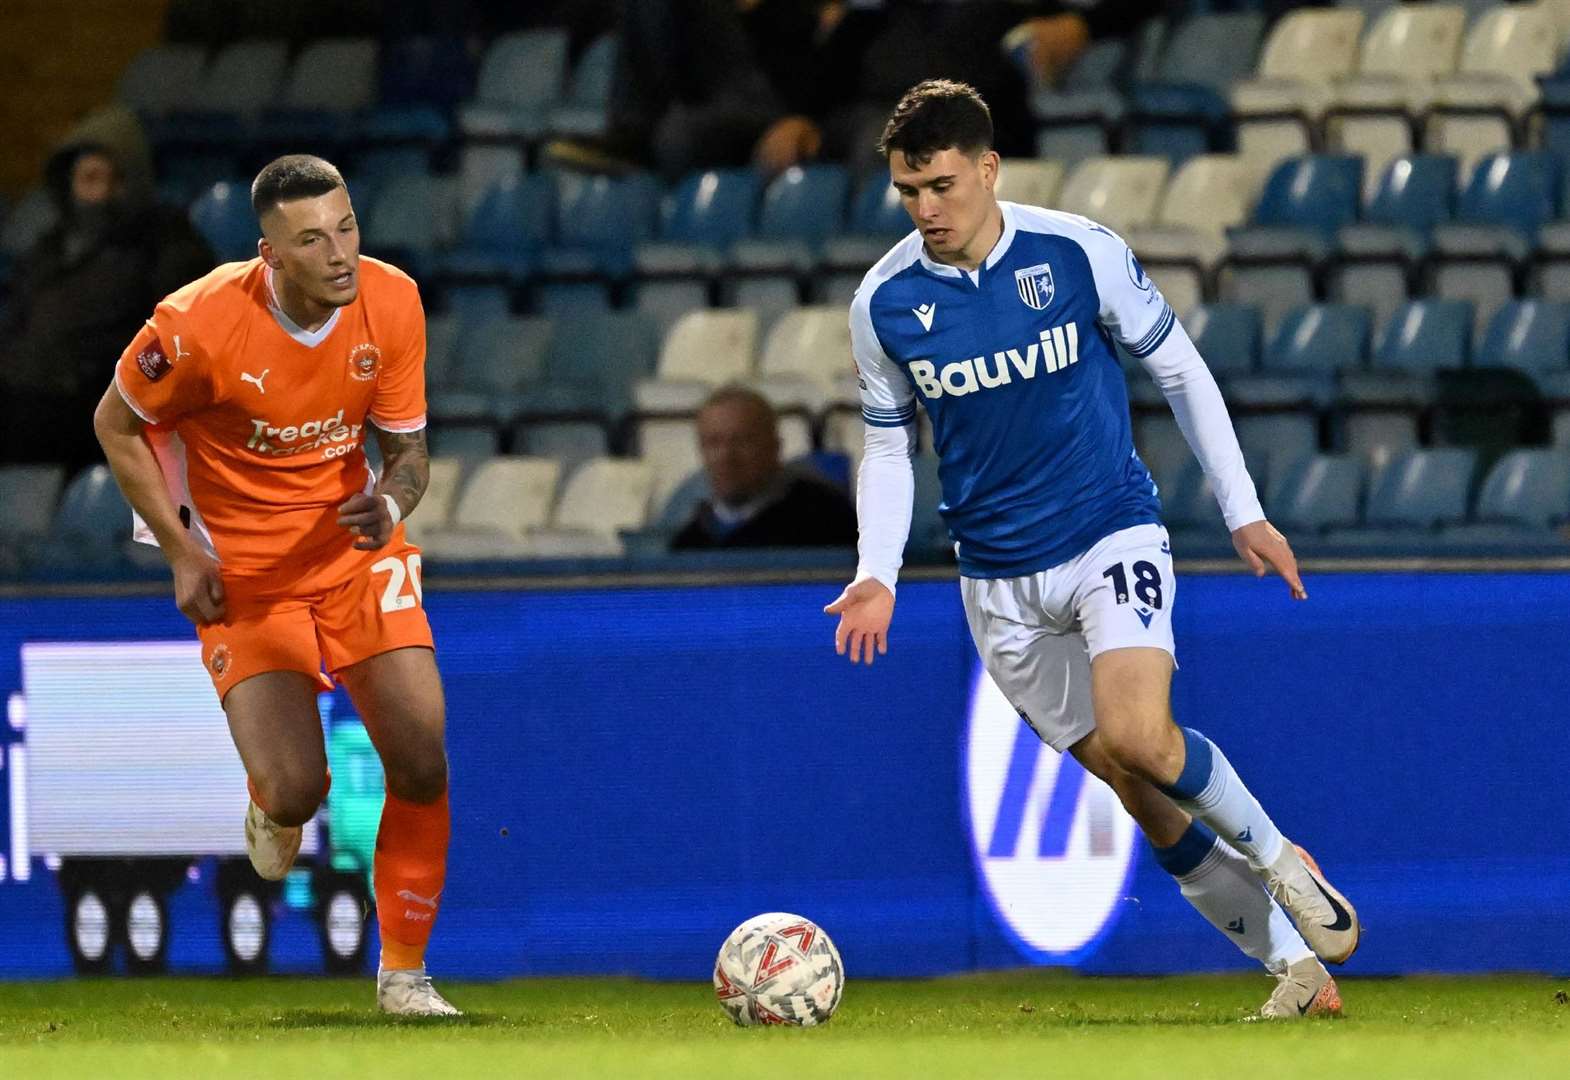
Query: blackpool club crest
point(1035, 285)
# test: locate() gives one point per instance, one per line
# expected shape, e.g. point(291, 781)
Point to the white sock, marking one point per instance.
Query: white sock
point(1222, 888)
point(1211, 790)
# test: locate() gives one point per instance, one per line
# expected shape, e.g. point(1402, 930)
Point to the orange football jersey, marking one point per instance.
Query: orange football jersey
point(259, 426)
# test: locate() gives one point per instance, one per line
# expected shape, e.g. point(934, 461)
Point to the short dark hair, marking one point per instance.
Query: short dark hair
point(293, 176)
point(935, 115)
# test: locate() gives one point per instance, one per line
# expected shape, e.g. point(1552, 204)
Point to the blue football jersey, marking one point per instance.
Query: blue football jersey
point(1016, 367)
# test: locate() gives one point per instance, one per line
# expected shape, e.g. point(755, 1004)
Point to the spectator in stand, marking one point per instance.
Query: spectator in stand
point(754, 500)
point(85, 288)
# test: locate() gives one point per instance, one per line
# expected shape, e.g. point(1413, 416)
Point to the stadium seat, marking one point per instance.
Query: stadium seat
point(1119, 192)
point(409, 220)
point(667, 301)
point(803, 356)
point(1034, 183)
point(599, 220)
point(1183, 111)
point(1227, 336)
point(709, 348)
point(467, 442)
point(1421, 489)
point(161, 78)
point(571, 442)
point(1475, 111)
point(1188, 504)
point(802, 207)
point(1277, 112)
point(877, 221)
point(497, 359)
point(1504, 203)
point(1529, 335)
point(520, 81)
point(668, 444)
point(481, 166)
point(593, 362)
point(1208, 194)
point(1076, 116)
point(582, 111)
point(699, 221)
point(222, 214)
point(1375, 258)
point(334, 75)
point(1424, 336)
point(1318, 193)
point(602, 498)
point(502, 501)
point(1526, 492)
point(505, 230)
point(1316, 493)
point(1381, 408)
point(29, 494)
point(244, 78)
point(1407, 47)
point(91, 524)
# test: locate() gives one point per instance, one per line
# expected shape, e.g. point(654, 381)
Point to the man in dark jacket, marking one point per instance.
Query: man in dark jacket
point(754, 501)
point(84, 288)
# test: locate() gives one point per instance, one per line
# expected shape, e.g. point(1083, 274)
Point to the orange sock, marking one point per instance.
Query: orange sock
point(411, 868)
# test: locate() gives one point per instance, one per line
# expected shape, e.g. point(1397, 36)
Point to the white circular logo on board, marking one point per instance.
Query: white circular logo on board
point(1053, 847)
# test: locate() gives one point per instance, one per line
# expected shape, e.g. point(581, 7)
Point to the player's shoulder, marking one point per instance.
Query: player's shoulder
point(1086, 232)
point(385, 282)
point(219, 292)
point(899, 262)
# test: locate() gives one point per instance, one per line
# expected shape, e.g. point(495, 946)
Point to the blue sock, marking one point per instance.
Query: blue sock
point(1211, 790)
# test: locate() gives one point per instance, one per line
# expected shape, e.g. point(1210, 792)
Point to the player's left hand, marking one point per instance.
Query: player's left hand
point(1260, 545)
point(367, 518)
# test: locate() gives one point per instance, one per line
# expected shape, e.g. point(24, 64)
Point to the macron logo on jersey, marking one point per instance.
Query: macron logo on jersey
point(925, 313)
point(1057, 349)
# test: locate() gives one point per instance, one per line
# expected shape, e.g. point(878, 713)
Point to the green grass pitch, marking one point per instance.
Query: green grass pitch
point(1030, 1024)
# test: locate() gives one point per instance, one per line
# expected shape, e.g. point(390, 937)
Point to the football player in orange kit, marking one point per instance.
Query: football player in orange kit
point(235, 426)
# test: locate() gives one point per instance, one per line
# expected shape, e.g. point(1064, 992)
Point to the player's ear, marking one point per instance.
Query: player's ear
point(269, 256)
point(989, 165)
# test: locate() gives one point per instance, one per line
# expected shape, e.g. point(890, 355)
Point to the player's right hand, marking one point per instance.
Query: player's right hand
point(198, 587)
point(865, 609)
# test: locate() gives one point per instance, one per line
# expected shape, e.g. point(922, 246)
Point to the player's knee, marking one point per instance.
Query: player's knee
point(419, 781)
point(1145, 750)
point(292, 798)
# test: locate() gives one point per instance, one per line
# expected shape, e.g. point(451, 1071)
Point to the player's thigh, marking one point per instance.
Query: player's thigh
point(278, 732)
point(1131, 689)
point(1044, 674)
point(398, 695)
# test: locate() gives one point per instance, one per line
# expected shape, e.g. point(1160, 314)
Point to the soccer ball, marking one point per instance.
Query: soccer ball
point(779, 969)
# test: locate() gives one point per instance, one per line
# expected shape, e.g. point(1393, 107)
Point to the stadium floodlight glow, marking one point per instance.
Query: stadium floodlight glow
point(1052, 845)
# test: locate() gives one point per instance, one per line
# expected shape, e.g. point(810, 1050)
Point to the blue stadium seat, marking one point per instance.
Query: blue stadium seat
point(1227, 336)
point(92, 522)
point(505, 230)
point(470, 304)
point(705, 214)
point(593, 362)
point(520, 80)
point(1184, 110)
point(497, 359)
point(877, 221)
point(1318, 193)
point(471, 442)
point(1319, 338)
point(222, 214)
point(802, 207)
point(582, 112)
point(404, 222)
point(1526, 489)
point(1515, 190)
point(1415, 192)
point(1425, 336)
point(1530, 335)
point(1316, 493)
point(599, 222)
point(1421, 489)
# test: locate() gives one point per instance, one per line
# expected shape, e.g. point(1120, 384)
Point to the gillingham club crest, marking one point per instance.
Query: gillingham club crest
point(1035, 285)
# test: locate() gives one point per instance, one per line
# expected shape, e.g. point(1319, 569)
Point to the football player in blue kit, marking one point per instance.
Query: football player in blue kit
point(1000, 320)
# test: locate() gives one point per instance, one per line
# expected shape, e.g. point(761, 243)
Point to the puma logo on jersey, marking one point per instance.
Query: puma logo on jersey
point(925, 313)
point(1057, 349)
point(246, 376)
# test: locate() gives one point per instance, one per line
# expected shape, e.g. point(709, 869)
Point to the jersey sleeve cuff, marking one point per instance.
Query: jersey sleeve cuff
point(891, 418)
point(399, 427)
point(1155, 335)
point(125, 396)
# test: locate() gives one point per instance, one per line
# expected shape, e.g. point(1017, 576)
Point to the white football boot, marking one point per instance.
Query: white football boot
point(1324, 917)
point(271, 846)
point(1304, 989)
point(409, 993)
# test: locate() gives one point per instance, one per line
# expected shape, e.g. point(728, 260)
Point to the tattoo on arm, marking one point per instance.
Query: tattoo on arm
point(406, 467)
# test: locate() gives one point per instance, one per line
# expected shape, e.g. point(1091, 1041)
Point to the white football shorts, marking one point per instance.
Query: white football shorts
point(1038, 634)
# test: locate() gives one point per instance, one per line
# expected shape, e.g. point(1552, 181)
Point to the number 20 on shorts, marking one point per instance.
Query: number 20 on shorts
point(400, 572)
